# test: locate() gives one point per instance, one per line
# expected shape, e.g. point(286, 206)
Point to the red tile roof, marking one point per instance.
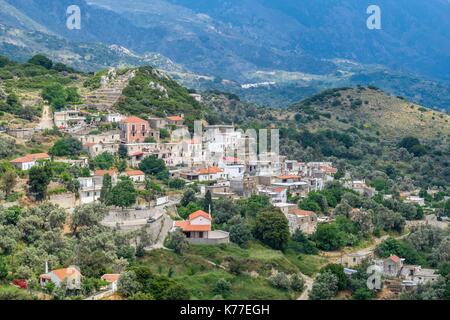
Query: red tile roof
point(111, 277)
point(199, 213)
point(31, 158)
point(278, 189)
point(133, 119)
point(210, 170)
point(137, 154)
point(289, 177)
point(62, 274)
point(186, 226)
point(328, 169)
point(300, 212)
point(90, 144)
point(134, 173)
point(395, 258)
point(175, 118)
point(101, 173)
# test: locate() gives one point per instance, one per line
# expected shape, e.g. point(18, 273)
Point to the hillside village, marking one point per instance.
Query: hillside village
point(194, 204)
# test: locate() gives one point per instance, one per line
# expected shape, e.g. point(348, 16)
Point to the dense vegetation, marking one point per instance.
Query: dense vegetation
point(151, 92)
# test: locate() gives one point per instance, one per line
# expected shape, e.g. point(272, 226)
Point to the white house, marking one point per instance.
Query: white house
point(275, 194)
point(112, 279)
point(135, 175)
point(198, 229)
point(211, 174)
point(233, 167)
point(114, 117)
point(71, 276)
point(29, 161)
point(415, 200)
point(88, 191)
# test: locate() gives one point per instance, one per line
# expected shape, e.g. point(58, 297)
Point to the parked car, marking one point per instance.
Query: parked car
point(151, 220)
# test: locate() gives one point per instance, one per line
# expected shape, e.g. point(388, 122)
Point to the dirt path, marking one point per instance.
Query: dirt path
point(308, 286)
point(46, 119)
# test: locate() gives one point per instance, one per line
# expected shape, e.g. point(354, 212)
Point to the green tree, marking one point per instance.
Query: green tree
point(362, 294)
point(309, 205)
point(208, 202)
point(177, 184)
point(413, 145)
point(38, 181)
point(128, 284)
point(123, 152)
point(177, 242)
point(55, 94)
point(447, 208)
point(222, 287)
point(72, 96)
point(105, 192)
point(66, 147)
point(8, 182)
point(325, 286)
point(4, 61)
point(240, 234)
point(3, 269)
point(272, 229)
point(188, 197)
point(151, 165)
point(338, 271)
point(41, 60)
point(103, 161)
point(328, 237)
point(87, 215)
point(123, 194)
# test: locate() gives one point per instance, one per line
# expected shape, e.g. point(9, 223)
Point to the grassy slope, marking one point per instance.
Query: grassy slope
point(201, 267)
point(392, 117)
point(141, 99)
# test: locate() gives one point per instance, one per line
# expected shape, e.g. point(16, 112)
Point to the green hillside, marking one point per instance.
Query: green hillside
point(152, 92)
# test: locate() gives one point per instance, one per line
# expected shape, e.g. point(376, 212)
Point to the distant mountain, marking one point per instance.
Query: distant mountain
point(271, 52)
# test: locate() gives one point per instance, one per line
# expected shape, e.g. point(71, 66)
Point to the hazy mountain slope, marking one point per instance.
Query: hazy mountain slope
point(281, 51)
point(230, 37)
point(414, 33)
point(11, 16)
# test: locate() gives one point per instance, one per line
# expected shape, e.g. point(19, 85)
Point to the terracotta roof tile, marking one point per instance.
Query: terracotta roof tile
point(175, 118)
point(210, 170)
point(133, 119)
point(186, 226)
point(199, 213)
point(111, 277)
point(101, 173)
point(31, 158)
point(300, 212)
point(134, 173)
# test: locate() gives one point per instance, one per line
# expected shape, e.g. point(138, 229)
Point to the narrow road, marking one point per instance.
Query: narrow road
point(46, 119)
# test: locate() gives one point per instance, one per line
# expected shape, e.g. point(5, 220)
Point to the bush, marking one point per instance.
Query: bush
point(222, 287)
point(297, 283)
point(240, 233)
point(66, 147)
point(280, 280)
point(177, 242)
point(177, 184)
